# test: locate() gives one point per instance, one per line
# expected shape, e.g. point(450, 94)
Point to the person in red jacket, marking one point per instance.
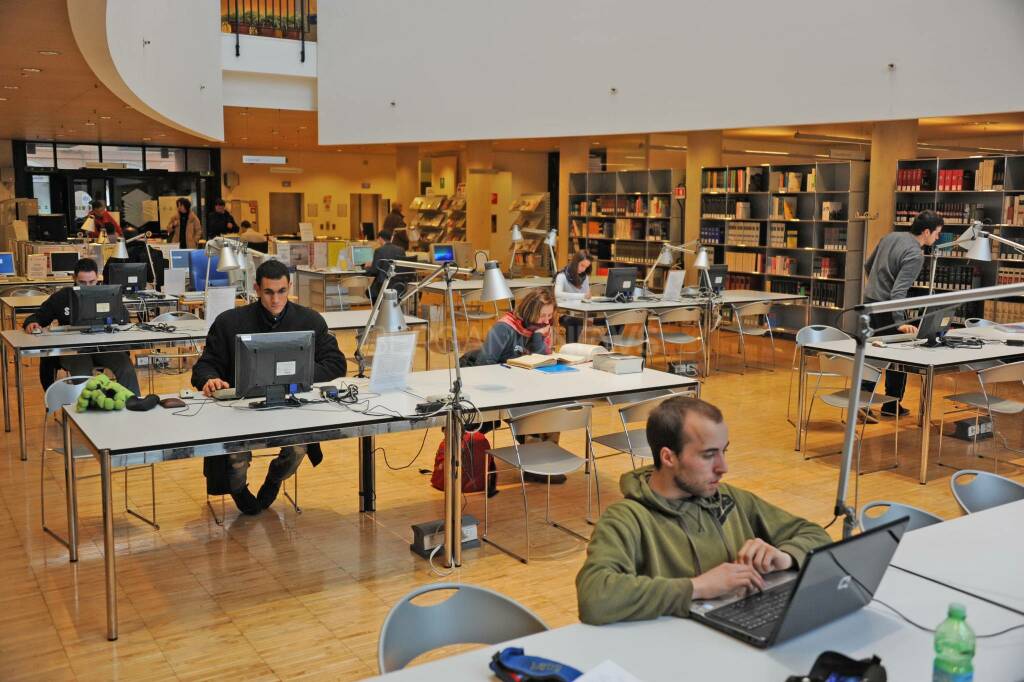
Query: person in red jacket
point(101, 218)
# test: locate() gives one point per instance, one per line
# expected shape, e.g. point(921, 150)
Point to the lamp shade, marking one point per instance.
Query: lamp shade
point(228, 259)
point(517, 234)
point(979, 249)
point(495, 287)
point(390, 317)
point(666, 257)
point(552, 238)
point(702, 262)
point(121, 251)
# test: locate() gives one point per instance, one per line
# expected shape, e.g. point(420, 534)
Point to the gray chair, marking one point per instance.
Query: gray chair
point(622, 320)
point(476, 310)
point(28, 291)
point(977, 491)
point(754, 320)
point(686, 317)
point(978, 322)
point(353, 291)
point(544, 458)
point(472, 615)
point(632, 442)
point(815, 333)
point(894, 510)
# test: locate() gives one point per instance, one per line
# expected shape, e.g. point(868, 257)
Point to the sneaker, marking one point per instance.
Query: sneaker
point(268, 493)
point(889, 410)
point(246, 502)
point(866, 416)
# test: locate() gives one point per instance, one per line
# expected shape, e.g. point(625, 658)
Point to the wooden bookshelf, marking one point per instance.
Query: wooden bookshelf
point(790, 228)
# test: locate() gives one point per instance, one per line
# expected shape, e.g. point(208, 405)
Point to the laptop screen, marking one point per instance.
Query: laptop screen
point(6, 263)
point(442, 253)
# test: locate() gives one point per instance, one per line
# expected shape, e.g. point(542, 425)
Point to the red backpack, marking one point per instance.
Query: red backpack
point(474, 460)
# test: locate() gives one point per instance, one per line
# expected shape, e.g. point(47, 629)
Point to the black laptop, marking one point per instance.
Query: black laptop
point(836, 580)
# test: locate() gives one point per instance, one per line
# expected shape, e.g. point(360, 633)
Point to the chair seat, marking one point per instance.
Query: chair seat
point(994, 403)
point(544, 458)
point(621, 340)
point(479, 316)
point(618, 441)
point(679, 337)
point(747, 331)
point(77, 452)
point(842, 399)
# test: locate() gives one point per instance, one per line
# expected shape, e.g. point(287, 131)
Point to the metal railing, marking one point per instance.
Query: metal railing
point(286, 19)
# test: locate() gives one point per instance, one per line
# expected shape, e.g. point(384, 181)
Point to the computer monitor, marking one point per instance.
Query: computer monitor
point(97, 307)
point(7, 263)
point(276, 365)
point(715, 277)
point(465, 254)
point(442, 253)
point(52, 227)
point(934, 325)
point(620, 284)
point(179, 258)
point(63, 262)
point(360, 255)
point(131, 276)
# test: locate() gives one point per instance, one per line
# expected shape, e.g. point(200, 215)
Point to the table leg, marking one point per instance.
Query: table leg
point(926, 414)
point(108, 545)
point(367, 475)
point(426, 346)
point(70, 491)
point(3, 371)
point(20, 397)
point(802, 388)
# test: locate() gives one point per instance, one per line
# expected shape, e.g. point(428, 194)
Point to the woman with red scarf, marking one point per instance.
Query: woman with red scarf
point(521, 332)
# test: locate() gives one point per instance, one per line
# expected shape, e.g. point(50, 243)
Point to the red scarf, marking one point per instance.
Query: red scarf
point(514, 321)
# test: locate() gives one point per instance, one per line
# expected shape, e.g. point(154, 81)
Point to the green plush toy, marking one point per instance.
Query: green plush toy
point(103, 393)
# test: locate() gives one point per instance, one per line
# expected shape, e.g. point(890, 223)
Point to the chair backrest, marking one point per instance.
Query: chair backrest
point(841, 365)
point(638, 396)
point(679, 316)
point(751, 309)
point(819, 333)
point(472, 615)
point(979, 490)
point(894, 510)
point(999, 374)
point(978, 322)
point(63, 392)
point(27, 291)
point(624, 317)
point(597, 288)
point(552, 419)
point(174, 316)
point(355, 282)
point(638, 412)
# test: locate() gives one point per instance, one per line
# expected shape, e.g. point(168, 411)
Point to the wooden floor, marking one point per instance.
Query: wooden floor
point(287, 596)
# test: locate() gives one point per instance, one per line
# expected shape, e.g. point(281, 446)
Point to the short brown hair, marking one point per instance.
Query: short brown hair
point(529, 308)
point(666, 425)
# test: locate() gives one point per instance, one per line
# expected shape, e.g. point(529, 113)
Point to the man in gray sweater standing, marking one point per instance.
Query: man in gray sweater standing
point(892, 269)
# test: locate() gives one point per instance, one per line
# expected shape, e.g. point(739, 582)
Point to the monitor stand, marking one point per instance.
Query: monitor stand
point(277, 396)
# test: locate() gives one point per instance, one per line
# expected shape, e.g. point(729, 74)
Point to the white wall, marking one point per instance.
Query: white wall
point(484, 69)
point(267, 73)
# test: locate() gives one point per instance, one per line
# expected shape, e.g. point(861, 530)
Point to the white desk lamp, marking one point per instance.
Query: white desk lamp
point(667, 258)
point(552, 240)
point(517, 239)
point(234, 255)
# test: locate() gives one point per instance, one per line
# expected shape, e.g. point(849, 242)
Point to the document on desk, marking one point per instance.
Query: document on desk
point(607, 671)
point(218, 300)
point(392, 361)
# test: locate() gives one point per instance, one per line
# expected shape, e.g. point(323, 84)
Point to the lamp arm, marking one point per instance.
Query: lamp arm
point(434, 275)
point(1001, 240)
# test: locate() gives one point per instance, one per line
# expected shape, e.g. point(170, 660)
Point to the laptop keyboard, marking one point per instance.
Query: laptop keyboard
point(756, 610)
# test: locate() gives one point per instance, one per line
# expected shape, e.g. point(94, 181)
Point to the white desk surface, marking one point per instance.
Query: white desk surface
point(980, 553)
point(729, 297)
point(940, 356)
point(987, 333)
point(310, 270)
point(489, 388)
point(677, 649)
point(478, 283)
point(357, 319)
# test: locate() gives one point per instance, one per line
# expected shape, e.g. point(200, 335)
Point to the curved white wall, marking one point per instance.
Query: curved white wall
point(482, 69)
point(163, 58)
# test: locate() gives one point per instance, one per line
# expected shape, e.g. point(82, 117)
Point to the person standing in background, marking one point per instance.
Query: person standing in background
point(219, 221)
point(395, 219)
point(103, 221)
point(184, 228)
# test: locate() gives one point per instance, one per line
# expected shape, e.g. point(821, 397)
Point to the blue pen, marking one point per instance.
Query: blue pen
point(505, 366)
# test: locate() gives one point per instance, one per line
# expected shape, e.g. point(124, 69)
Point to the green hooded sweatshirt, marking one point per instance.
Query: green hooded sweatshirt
point(645, 548)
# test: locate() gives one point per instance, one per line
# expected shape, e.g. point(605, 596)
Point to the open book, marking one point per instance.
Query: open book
point(569, 354)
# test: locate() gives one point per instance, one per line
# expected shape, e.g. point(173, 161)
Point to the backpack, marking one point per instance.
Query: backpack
point(474, 451)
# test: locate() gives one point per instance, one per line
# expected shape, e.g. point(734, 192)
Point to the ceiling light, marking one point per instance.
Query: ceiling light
point(302, 127)
point(764, 151)
point(49, 53)
point(3, 99)
point(105, 118)
point(30, 69)
point(595, 143)
point(243, 113)
point(273, 132)
point(90, 123)
point(11, 87)
point(244, 139)
point(830, 138)
point(146, 139)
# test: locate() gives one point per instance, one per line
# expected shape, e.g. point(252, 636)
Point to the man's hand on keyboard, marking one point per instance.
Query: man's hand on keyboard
point(907, 329)
point(726, 578)
point(763, 557)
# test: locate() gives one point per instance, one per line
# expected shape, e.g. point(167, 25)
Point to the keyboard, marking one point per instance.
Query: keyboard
point(756, 610)
point(893, 338)
point(602, 299)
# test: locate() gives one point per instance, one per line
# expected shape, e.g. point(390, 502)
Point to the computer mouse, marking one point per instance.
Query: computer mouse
point(171, 403)
point(37, 331)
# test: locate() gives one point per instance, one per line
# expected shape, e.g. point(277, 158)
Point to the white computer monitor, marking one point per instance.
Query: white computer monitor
point(360, 254)
point(6, 263)
point(442, 253)
point(63, 262)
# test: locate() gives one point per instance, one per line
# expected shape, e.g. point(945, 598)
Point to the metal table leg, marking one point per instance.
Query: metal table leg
point(367, 475)
point(108, 545)
point(3, 371)
point(802, 384)
point(426, 346)
point(20, 389)
point(70, 492)
point(926, 414)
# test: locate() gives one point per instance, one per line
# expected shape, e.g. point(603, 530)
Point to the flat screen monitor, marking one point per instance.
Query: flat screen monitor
point(276, 365)
point(361, 255)
point(131, 276)
point(934, 325)
point(97, 307)
point(63, 262)
point(179, 258)
point(442, 253)
point(716, 276)
point(7, 263)
point(52, 227)
point(621, 282)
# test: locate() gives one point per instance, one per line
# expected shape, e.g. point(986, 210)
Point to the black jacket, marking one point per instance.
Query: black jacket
point(56, 307)
point(378, 269)
point(217, 223)
point(218, 358)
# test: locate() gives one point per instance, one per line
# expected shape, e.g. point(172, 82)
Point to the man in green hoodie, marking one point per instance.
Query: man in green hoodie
point(682, 534)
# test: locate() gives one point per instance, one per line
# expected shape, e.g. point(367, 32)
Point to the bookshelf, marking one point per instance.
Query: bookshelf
point(990, 189)
point(532, 213)
point(438, 218)
point(789, 228)
point(623, 217)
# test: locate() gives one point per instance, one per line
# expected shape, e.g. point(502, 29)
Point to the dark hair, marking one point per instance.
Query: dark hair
point(385, 235)
point(110, 228)
point(926, 220)
point(528, 309)
point(246, 224)
point(572, 270)
point(86, 265)
point(129, 231)
point(218, 202)
point(184, 202)
point(666, 425)
point(272, 269)
point(97, 203)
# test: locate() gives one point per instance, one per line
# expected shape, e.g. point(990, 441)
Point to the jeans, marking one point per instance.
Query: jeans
point(118, 362)
point(281, 467)
point(573, 327)
point(895, 382)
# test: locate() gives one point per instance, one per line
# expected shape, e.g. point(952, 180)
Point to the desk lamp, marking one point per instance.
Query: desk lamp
point(667, 258)
point(517, 239)
point(551, 240)
point(978, 244)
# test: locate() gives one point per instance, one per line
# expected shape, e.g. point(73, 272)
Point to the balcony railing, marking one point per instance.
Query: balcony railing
point(287, 19)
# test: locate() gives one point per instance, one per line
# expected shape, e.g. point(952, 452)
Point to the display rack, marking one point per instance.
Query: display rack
point(792, 229)
point(531, 212)
point(438, 218)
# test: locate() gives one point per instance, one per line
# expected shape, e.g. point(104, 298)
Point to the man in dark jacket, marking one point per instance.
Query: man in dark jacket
point(395, 219)
point(377, 268)
point(219, 221)
point(58, 307)
point(215, 370)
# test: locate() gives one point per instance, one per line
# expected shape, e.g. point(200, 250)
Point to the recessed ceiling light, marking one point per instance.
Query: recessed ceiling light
point(273, 132)
point(595, 143)
point(244, 139)
point(302, 127)
point(243, 113)
point(11, 87)
point(90, 123)
point(105, 118)
point(30, 69)
point(49, 53)
point(3, 99)
point(146, 139)
point(71, 130)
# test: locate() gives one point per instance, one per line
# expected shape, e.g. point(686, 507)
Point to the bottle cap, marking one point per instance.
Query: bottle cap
point(958, 611)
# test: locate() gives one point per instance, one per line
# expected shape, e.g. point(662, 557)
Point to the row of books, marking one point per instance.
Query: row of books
point(990, 174)
point(956, 180)
point(733, 180)
point(1007, 252)
point(784, 208)
point(793, 181)
point(827, 295)
point(712, 234)
point(834, 239)
point(724, 207)
point(914, 180)
point(829, 267)
point(833, 210)
point(788, 286)
point(591, 228)
point(626, 228)
point(1013, 210)
point(740, 261)
point(781, 265)
point(783, 236)
point(635, 253)
point(1004, 312)
point(951, 277)
point(657, 207)
point(959, 211)
point(1006, 275)
point(906, 211)
point(743, 234)
point(733, 281)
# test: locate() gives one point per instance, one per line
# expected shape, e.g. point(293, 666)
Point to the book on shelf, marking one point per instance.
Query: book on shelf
point(712, 234)
point(784, 208)
point(739, 281)
point(827, 295)
point(789, 181)
point(834, 239)
point(827, 267)
point(952, 276)
point(1013, 210)
point(743, 234)
point(833, 210)
point(781, 265)
point(914, 180)
point(739, 261)
point(1004, 312)
point(1006, 275)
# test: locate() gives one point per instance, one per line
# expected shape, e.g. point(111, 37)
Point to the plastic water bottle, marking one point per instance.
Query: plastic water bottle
point(954, 648)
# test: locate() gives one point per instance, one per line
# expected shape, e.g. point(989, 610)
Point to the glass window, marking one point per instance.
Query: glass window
point(39, 154)
point(131, 157)
point(75, 156)
point(41, 191)
point(166, 158)
point(199, 160)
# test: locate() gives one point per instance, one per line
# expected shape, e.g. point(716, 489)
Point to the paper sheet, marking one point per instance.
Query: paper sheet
point(392, 361)
point(607, 671)
point(174, 281)
point(218, 300)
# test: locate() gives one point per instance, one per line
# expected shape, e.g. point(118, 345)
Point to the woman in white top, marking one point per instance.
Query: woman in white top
point(573, 284)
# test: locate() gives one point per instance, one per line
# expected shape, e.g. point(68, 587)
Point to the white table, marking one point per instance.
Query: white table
point(16, 344)
point(120, 439)
point(673, 649)
point(10, 306)
point(475, 284)
point(927, 362)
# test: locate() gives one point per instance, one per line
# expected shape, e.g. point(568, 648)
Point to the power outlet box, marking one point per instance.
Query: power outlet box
point(427, 536)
